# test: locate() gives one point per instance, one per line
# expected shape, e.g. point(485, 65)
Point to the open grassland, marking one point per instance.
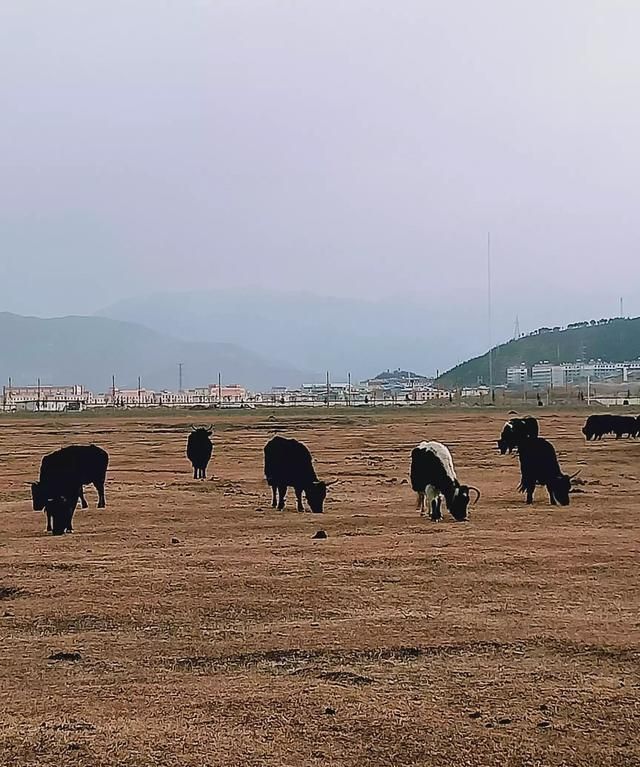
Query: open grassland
point(190, 624)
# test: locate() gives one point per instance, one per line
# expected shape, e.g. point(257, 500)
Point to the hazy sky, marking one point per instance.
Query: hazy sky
point(348, 147)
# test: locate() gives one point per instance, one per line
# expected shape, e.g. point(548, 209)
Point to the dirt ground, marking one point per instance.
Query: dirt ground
point(190, 624)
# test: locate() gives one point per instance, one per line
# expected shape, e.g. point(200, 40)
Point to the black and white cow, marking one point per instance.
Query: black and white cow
point(199, 449)
point(515, 431)
point(288, 463)
point(433, 476)
point(539, 466)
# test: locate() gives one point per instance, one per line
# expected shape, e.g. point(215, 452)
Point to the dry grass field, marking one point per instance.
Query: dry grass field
point(190, 624)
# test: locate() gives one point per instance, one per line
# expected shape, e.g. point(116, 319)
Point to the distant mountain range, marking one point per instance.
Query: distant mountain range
point(262, 340)
point(341, 335)
point(89, 350)
point(615, 340)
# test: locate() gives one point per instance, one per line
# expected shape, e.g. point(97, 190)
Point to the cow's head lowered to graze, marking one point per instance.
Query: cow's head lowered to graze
point(560, 487)
point(459, 503)
point(316, 493)
point(506, 443)
point(38, 496)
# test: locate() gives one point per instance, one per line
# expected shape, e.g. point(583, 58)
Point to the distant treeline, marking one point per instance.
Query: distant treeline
point(559, 328)
point(611, 340)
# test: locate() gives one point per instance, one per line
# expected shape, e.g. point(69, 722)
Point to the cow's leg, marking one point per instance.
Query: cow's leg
point(529, 488)
point(195, 473)
point(552, 500)
point(420, 502)
point(274, 500)
point(49, 516)
point(433, 501)
point(299, 498)
point(60, 518)
point(101, 500)
point(83, 500)
point(282, 490)
point(69, 524)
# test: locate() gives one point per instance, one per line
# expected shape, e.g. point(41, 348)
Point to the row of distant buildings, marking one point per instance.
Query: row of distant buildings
point(390, 387)
point(77, 397)
point(545, 375)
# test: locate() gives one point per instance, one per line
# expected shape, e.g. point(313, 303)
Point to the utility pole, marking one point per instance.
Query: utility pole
point(180, 364)
point(138, 391)
point(489, 314)
point(38, 402)
point(349, 389)
point(328, 388)
point(220, 389)
point(621, 307)
point(113, 390)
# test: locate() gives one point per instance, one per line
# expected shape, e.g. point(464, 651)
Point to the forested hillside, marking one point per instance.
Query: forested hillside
point(609, 340)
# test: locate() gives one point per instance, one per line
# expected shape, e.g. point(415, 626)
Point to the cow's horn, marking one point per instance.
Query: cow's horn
point(332, 482)
point(571, 476)
point(471, 487)
point(193, 428)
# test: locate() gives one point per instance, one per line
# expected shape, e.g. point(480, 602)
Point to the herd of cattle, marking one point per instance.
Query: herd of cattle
point(288, 463)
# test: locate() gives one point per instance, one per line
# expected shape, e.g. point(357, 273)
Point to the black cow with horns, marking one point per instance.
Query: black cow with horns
point(62, 475)
point(288, 463)
point(539, 466)
point(515, 431)
point(199, 449)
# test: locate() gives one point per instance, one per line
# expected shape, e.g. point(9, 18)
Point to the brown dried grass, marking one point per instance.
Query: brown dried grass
point(512, 640)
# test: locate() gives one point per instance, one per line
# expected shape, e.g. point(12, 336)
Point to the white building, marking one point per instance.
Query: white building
point(544, 375)
point(45, 398)
point(517, 375)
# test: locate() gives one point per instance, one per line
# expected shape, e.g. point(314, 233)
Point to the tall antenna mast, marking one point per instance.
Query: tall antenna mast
point(489, 312)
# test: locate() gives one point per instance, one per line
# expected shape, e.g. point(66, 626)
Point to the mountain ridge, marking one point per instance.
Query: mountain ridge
point(88, 350)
